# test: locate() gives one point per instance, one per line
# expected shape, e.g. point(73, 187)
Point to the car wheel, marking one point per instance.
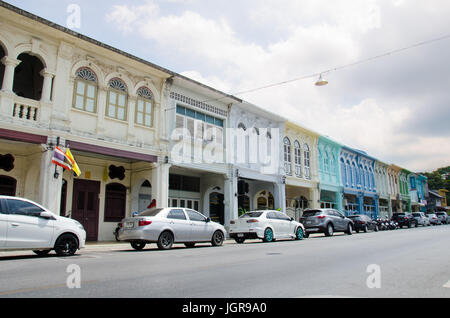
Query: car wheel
point(66, 245)
point(189, 245)
point(330, 230)
point(138, 246)
point(365, 228)
point(376, 228)
point(165, 241)
point(306, 234)
point(350, 229)
point(239, 240)
point(268, 235)
point(41, 252)
point(217, 238)
point(299, 234)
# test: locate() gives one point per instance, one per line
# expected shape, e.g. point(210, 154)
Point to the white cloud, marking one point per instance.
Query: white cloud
point(307, 37)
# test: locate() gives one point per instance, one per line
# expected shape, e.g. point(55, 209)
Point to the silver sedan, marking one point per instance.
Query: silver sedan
point(166, 226)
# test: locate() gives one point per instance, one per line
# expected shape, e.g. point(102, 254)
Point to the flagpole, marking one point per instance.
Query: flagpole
point(56, 174)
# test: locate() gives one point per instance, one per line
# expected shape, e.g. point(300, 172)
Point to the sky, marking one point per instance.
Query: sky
point(395, 107)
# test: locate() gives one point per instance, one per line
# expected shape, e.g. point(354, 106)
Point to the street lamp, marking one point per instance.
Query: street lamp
point(321, 81)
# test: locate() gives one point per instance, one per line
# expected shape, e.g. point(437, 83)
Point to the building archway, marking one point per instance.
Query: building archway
point(28, 80)
point(264, 200)
point(2, 66)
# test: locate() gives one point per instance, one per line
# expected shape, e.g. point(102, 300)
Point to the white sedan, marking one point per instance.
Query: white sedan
point(267, 225)
point(166, 226)
point(26, 225)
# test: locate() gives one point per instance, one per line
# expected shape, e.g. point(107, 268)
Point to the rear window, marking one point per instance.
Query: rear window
point(416, 214)
point(355, 217)
point(150, 212)
point(251, 215)
point(441, 213)
point(312, 213)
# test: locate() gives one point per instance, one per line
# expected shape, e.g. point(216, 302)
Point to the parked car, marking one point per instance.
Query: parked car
point(327, 221)
point(364, 223)
point(434, 220)
point(404, 219)
point(26, 225)
point(421, 218)
point(267, 225)
point(166, 226)
point(443, 217)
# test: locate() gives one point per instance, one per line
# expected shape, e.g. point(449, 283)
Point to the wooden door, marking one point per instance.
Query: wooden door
point(85, 206)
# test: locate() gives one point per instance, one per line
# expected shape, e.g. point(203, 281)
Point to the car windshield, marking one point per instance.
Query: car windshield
point(251, 215)
point(150, 212)
point(311, 213)
point(416, 214)
point(354, 217)
point(440, 213)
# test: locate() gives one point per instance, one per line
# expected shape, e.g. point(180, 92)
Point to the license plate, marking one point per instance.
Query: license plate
point(129, 225)
point(240, 235)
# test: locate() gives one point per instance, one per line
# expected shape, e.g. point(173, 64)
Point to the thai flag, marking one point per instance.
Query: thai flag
point(59, 158)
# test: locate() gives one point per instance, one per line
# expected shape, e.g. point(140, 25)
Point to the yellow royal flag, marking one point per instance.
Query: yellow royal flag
point(75, 167)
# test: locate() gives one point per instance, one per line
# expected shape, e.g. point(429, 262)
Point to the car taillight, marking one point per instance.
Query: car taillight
point(232, 222)
point(360, 222)
point(144, 222)
point(252, 221)
point(406, 217)
point(321, 217)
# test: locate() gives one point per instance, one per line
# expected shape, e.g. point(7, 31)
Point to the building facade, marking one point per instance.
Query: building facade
point(300, 162)
point(330, 173)
point(60, 88)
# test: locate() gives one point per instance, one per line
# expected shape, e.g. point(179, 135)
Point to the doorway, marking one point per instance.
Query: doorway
point(216, 207)
point(85, 206)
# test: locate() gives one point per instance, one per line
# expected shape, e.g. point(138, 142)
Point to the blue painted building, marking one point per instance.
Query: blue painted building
point(330, 174)
point(358, 181)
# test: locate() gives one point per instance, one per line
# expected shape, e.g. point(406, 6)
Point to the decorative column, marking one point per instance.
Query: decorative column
point(47, 85)
point(160, 184)
point(230, 198)
point(50, 183)
point(8, 78)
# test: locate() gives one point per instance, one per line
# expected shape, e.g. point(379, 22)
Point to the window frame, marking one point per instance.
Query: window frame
point(87, 83)
point(144, 99)
point(116, 106)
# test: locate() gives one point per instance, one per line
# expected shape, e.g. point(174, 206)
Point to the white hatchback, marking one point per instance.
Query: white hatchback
point(26, 225)
point(267, 225)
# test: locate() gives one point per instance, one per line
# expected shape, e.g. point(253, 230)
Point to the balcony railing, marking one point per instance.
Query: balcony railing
point(25, 109)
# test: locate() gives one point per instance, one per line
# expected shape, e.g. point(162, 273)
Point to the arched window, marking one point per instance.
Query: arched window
point(28, 80)
point(115, 202)
point(326, 162)
point(144, 107)
point(116, 105)
point(307, 161)
point(287, 156)
point(343, 173)
point(298, 159)
point(85, 90)
point(354, 175)
point(2, 66)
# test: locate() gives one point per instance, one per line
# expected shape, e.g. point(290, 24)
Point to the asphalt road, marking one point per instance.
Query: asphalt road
point(402, 263)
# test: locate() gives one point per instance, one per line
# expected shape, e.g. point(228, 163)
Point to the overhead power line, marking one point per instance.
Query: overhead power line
point(314, 75)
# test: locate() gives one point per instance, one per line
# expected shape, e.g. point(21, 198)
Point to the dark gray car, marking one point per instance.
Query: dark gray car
point(327, 221)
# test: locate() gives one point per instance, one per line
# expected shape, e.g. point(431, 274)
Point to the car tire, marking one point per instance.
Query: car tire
point(268, 235)
point(365, 229)
point(239, 240)
point(165, 241)
point(306, 234)
point(217, 238)
point(66, 245)
point(41, 252)
point(138, 246)
point(350, 229)
point(376, 228)
point(299, 234)
point(329, 230)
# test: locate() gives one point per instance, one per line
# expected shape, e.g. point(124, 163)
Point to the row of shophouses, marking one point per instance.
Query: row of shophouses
point(140, 132)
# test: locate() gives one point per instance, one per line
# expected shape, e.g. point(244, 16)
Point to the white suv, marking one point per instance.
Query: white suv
point(26, 225)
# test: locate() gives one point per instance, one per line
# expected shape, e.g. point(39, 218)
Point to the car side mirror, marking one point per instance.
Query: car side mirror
point(46, 215)
point(208, 220)
point(292, 219)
